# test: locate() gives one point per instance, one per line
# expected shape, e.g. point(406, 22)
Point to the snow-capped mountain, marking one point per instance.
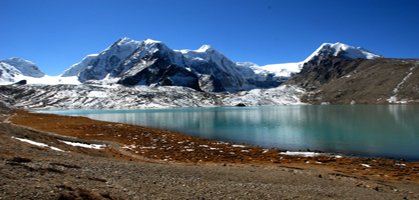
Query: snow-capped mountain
point(216, 71)
point(25, 67)
point(328, 62)
point(340, 50)
point(149, 62)
point(74, 70)
point(8, 73)
point(98, 66)
point(144, 74)
point(152, 63)
point(325, 51)
point(14, 70)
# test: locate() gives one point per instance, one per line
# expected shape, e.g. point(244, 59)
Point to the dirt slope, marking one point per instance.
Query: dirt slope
point(338, 81)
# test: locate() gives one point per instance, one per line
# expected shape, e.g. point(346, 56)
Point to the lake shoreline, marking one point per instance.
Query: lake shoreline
point(354, 130)
point(131, 142)
point(77, 158)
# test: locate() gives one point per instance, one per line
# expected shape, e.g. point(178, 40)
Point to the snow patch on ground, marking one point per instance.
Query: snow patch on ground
point(37, 144)
point(238, 146)
point(84, 145)
point(365, 165)
point(300, 153)
point(393, 98)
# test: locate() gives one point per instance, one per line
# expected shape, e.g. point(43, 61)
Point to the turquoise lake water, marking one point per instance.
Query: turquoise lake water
point(362, 130)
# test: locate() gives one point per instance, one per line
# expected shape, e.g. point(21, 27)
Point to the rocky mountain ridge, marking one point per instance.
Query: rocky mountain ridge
point(152, 63)
point(378, 81)
point(149, 62)
point(148, 74)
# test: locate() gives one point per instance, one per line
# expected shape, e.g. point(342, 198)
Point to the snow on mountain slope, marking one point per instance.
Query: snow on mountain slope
point(151, 62)
point(145, 54)
point(13, 69)
point(50, 80)
point(90, 96)
point(74, 70)
point(279, 70)
point(8, 73)
point(123, 61)
point(217, 69)
point(97, 67)
point(206, 53)
point(26, 68)
point(45, 80)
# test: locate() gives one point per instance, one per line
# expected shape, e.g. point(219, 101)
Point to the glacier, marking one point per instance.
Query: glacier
point(91, 96)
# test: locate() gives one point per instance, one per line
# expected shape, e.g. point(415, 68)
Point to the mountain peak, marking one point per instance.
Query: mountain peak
point(128, 41)
point(26, 67)
point(205, 48)
point(113, 59)
point(341, 49)
point(125, 41)
point(17, 60)
point(151, 41)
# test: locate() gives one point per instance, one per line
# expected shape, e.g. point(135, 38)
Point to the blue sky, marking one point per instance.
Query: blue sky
point(58, 33)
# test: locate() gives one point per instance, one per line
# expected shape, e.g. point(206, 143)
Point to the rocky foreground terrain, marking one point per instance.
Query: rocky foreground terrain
point(118, 161)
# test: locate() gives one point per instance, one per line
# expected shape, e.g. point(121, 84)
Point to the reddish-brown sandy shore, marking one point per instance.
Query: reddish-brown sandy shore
point(136, 143)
